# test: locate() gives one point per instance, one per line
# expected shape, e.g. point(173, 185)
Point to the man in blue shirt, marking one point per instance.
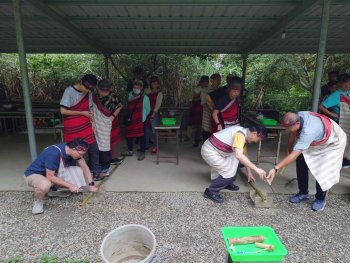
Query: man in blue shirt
point(51, 167)
point(320, 145)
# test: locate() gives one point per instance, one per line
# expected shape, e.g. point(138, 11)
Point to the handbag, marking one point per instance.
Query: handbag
point(129, 114)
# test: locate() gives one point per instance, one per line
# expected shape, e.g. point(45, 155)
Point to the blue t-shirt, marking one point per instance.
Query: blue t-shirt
point(48, 159)
point(312, 130)
point(332, 102)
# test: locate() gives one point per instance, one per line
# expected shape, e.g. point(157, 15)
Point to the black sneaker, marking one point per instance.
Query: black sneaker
point(232, 187)
point(217, 198)
point(97, 178)
point(117, 161)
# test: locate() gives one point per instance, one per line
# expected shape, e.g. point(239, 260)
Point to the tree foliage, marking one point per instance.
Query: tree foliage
point(283, 82)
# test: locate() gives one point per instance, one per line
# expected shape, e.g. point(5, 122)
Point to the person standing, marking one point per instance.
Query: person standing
point(75, 107)
point(139, 108)
point(226, 109)
point(62, 165)
point(106, 108)
point(156, 98)
point(332, 76)
point(196, 111)
point(319, 147)
point(332, 104)
point(215, 80)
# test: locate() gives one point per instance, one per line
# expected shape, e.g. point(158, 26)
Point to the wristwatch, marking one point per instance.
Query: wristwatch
point(92, 183)
point(217, 124)
point(276, 170)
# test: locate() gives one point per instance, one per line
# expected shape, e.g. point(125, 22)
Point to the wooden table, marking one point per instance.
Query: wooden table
point(251, 118)
point(169, 132)
point(42, 113)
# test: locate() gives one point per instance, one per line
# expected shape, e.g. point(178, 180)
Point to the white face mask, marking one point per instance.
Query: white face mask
point(136, 91)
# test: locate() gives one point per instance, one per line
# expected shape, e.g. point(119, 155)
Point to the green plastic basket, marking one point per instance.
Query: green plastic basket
point(242, 253)
point(268, 122)
point(168, 121)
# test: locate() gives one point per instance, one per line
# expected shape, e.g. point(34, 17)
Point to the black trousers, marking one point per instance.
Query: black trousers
point(105, 160)
point(220, 183)
point(94, 160)
point(303, 179)
point(206, 135)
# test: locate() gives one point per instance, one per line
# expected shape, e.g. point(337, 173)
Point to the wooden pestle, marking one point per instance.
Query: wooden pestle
point(246, 240)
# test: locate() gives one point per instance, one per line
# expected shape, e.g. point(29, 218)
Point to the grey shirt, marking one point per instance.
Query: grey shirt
point(312, 130)
point(71, 97)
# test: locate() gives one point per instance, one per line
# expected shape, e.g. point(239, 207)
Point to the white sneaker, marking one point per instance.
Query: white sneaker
point(38, 207)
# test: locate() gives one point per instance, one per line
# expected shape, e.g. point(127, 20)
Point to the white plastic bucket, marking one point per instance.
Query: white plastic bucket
point(129, 244)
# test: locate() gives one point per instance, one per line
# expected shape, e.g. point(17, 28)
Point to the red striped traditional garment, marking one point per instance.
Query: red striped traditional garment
point(196, 113)
point(78, 125)
point(152, 99)
point(135, 128)
point(220, 145)
point(228, 116)
point(327, 128)
point(116, 135)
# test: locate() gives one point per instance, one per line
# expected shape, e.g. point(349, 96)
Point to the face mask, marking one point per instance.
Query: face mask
point(136, 91)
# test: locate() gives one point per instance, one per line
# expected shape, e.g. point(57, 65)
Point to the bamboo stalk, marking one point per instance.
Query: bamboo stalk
point(257, 190)
point(87, 198)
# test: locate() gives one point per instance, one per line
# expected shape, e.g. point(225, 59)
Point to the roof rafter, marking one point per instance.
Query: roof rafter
point(281, 24)
point(53, 15)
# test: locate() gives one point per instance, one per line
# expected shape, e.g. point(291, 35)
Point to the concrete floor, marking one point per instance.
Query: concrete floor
point(192, 174)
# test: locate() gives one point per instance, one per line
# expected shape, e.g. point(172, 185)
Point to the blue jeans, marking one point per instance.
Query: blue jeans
point(151, 132)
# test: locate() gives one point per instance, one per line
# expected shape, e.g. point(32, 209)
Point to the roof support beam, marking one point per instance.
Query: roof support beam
point(187, 19)
point(282, 23)
point(181, 2)
point(24, 78)
point(173, 2)
point(321, 54)
point(53, 15)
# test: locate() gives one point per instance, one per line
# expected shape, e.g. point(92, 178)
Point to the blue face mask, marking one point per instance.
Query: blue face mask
point(136, 91)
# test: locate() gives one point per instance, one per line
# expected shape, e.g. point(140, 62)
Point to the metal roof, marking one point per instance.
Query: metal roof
point(175, 26)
